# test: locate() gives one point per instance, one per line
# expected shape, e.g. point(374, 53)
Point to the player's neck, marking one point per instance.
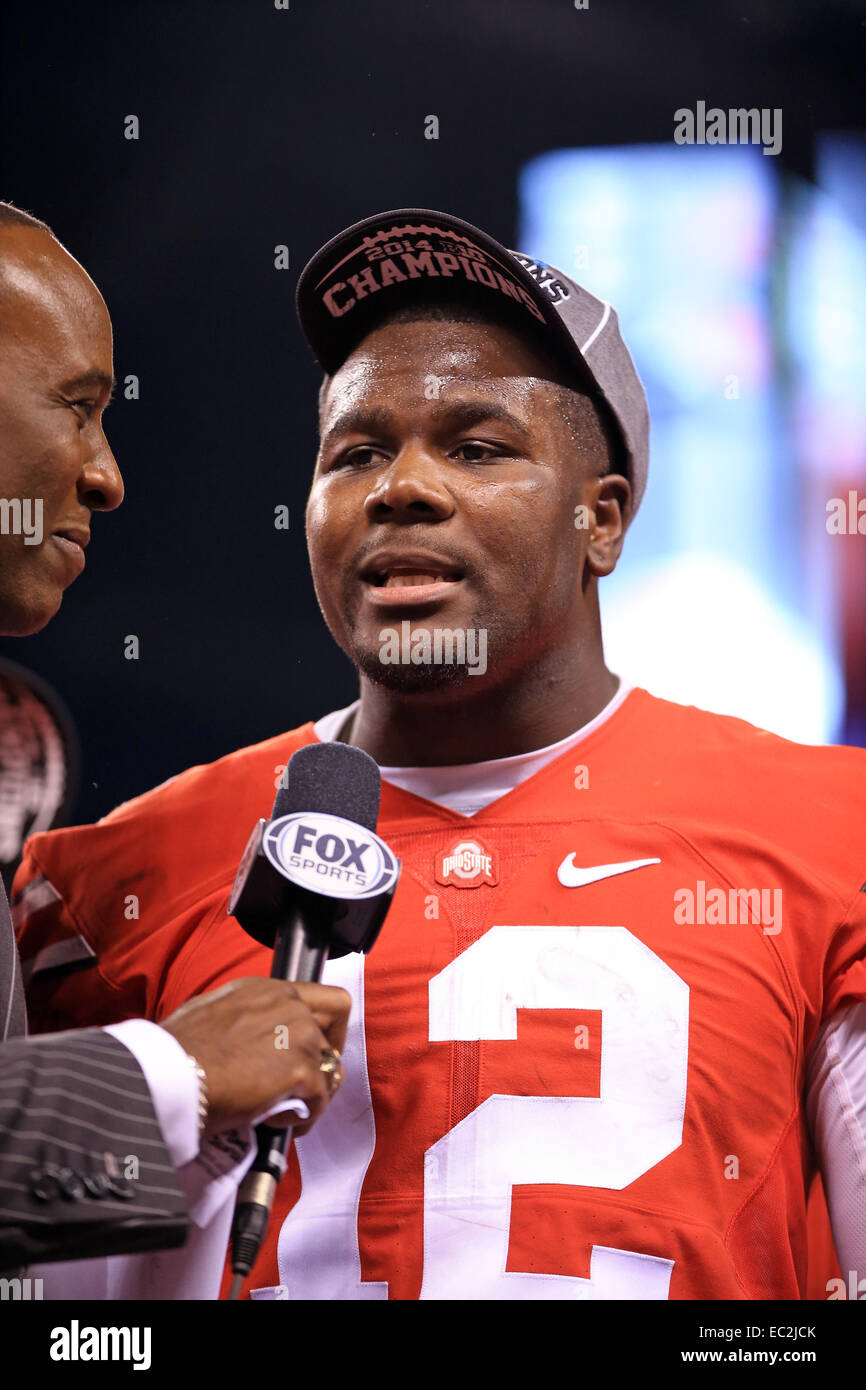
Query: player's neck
point(459, 725)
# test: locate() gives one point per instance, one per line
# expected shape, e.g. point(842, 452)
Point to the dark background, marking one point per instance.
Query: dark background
point(261, 127)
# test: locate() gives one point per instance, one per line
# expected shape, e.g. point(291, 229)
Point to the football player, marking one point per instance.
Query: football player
point(615, 1019)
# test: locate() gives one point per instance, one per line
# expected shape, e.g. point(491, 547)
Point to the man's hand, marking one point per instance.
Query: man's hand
point(261, 1041)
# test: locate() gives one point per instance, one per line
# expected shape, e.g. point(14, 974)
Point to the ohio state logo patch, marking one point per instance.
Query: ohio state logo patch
point(467, 864)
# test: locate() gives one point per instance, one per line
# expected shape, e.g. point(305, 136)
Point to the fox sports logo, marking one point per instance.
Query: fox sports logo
point(330, 855)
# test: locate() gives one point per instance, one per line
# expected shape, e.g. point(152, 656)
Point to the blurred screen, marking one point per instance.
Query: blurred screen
point(739, 291)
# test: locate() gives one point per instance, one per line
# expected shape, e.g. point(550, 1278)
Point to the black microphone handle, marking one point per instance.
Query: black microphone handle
point(295, 959)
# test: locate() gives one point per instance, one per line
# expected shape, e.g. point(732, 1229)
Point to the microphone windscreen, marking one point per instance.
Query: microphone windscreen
point(333, 778)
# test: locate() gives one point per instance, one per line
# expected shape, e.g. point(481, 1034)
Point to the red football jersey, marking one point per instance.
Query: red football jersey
point(576, 1054)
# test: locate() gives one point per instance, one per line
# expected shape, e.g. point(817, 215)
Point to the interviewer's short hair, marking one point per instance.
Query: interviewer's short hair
point(10, 216)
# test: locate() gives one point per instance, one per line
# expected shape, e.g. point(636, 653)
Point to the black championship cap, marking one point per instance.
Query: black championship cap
point(388, 258)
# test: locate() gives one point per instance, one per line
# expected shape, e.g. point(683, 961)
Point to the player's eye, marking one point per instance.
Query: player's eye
point(480, 451)
point(356, 457)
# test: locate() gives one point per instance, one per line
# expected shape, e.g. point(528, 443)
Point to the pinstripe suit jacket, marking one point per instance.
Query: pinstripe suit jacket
point(84, 1169)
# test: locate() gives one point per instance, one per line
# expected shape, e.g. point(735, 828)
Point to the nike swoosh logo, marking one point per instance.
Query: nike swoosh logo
point(571, 876)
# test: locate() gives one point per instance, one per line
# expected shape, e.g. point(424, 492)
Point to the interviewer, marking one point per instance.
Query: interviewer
point(75, 1106)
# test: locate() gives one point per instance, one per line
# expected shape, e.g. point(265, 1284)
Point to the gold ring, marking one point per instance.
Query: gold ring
point(331, 1064)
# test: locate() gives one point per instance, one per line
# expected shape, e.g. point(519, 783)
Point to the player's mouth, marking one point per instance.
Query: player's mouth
point(391, 580)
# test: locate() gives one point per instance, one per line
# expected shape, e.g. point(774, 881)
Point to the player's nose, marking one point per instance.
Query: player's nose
point(410, 485)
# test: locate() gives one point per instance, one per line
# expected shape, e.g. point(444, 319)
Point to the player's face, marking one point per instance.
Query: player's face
point(445, 495)
point(56, 467)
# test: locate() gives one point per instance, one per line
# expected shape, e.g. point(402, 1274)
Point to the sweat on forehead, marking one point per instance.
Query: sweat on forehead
point(540, 372)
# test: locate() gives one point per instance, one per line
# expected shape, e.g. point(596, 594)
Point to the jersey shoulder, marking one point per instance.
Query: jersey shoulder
point(734, 748)
point(171, 844)
point(727, 781)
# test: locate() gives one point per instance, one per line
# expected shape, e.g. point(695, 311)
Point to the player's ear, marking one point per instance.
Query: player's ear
point(609, 515)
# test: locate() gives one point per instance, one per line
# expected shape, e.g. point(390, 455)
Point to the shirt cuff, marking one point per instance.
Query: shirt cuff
point(216, 1172)
point(172, 1083)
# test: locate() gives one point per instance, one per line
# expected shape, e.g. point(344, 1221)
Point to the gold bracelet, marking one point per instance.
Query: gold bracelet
point(202, 1093)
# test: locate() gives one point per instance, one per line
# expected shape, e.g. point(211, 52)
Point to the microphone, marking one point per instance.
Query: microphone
point(315, 882)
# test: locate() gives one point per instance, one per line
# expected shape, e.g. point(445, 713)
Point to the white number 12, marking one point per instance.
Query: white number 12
point(606, 1141)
